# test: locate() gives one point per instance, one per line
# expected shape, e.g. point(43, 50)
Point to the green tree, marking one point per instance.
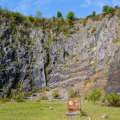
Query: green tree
point(107, 9)
point(59, 14)
point(70, 15)
point(93, 13)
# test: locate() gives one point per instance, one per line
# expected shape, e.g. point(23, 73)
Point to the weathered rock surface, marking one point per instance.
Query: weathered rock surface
point(22, 57)
point(90, 55)
point(87, 59)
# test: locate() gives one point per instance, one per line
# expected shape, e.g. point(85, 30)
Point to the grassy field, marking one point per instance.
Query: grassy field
point(55, 110)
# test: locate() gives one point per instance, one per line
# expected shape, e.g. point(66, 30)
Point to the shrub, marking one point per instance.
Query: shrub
point(27, 22)
point(32, 19)
point(73, 93)
point(95, 95)
point(18, 94)
point(4, 100)
point(91, 15)
point(18, 17)
point(55, 93)
point(70, 22)
point(107, 9)
point(113, 99)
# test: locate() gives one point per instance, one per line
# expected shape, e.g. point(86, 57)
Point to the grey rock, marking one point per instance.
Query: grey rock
point(27, 56)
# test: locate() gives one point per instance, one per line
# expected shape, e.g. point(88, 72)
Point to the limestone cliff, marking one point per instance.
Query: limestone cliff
point(36, 58)
point(89, 58)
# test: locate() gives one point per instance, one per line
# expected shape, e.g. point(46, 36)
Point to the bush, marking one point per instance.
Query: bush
point(4, 100)
point(92, 15)
point(19, 18)
point(32, 19)
point(73, 93)
point(107, 9)
point(95, 95)
point(55, 93)
point(113, 99)
point(18, 94)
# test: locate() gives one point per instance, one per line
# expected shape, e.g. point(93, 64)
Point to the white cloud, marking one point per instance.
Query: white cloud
point(116, 2)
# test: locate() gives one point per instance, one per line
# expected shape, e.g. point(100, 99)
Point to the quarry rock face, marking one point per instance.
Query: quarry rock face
point(90, 55)
point(22, 57)
point(88, 58)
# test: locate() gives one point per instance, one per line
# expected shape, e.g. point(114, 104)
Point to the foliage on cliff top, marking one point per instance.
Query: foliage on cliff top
point(55, 24)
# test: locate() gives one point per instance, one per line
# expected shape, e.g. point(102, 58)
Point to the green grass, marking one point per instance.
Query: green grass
point(55, 110)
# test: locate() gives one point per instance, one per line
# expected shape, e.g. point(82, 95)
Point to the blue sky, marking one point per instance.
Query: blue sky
point(48, 8)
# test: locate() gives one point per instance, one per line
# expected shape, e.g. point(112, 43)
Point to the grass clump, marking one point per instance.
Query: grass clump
point(4, 100)
point(56, 94)
point(18, 94)
point(95, 95)
point(113, 99)
point(73, 93)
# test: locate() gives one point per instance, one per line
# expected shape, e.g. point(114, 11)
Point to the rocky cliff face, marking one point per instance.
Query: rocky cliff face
point(22, 57)
point(88, 58)
point(33, 58)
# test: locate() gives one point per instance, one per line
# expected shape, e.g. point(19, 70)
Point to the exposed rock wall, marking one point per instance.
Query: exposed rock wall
point(87, 59)
point(22, 57)
point(90, 55)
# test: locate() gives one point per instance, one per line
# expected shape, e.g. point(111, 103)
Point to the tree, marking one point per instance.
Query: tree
point(59, 14)
point(107, 9)
point(93, 13)
point(38, 14)
point(70, 15)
